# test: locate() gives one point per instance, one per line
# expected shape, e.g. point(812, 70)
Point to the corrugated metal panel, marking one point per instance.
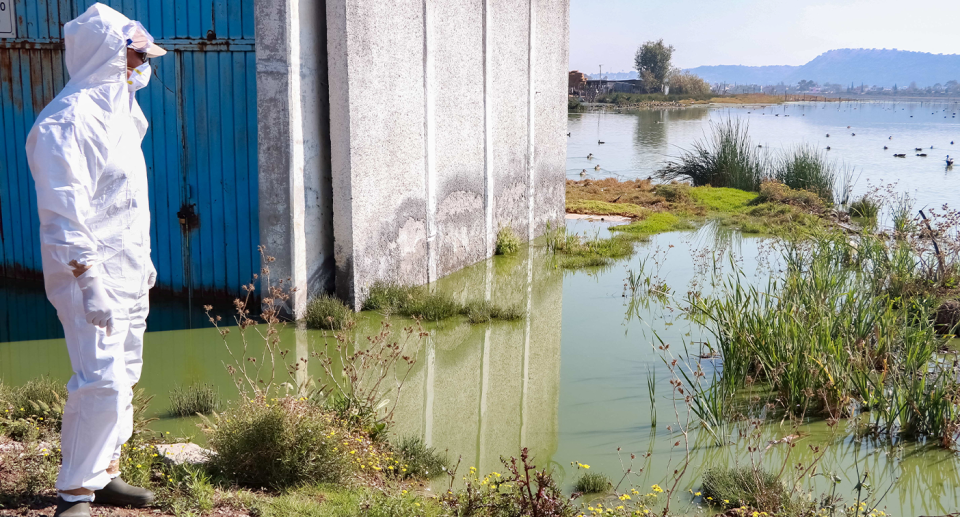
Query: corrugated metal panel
point(200, 151)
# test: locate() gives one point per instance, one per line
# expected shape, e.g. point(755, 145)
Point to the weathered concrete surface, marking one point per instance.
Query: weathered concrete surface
point(457, 89)
point(550, 112)
point(377, 106)
point(294, 186)
point(509, 34)
point(447, 124)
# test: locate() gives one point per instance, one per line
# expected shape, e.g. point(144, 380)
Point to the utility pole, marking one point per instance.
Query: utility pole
point(601, 80)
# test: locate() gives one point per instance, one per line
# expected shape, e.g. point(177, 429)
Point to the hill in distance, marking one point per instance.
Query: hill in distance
point(845, 66)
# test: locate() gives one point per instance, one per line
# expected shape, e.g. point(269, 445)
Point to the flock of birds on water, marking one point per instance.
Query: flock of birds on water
point(918, 150)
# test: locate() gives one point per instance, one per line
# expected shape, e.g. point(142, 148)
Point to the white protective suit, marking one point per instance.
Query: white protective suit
point(85, 157)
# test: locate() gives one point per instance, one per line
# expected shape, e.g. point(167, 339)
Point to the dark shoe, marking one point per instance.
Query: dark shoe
point(66, 509)
point(119, 493)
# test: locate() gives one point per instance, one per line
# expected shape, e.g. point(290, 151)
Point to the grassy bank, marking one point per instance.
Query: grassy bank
point(775, 210)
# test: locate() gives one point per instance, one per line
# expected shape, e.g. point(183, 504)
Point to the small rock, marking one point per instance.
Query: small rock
point(180, 453)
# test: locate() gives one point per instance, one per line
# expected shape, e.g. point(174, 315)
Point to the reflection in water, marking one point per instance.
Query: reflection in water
point(569, 381)
point(482, 392)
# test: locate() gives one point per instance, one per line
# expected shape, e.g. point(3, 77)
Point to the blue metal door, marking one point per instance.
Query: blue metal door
point(201, 149)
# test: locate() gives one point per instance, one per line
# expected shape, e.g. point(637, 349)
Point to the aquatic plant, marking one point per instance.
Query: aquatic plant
point(592, 483)
point(846, 329)
point(727, 159)
point(193, 399)
point(807, 168)
point(579, 251)
point(328, 312)
point(507, 242)
point(386, 297)
point(902, 216)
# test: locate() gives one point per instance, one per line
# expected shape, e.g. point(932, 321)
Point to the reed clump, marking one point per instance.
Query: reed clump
point(865, 206)
point(728, 158)
point(197, 398)
point(807, 168)
point(592, 483)
point(848, 328)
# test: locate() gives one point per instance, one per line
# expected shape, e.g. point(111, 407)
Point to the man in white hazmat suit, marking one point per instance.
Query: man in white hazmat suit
point(85, 156)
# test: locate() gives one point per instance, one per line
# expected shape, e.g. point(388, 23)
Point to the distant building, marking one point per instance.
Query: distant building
point(577, 81)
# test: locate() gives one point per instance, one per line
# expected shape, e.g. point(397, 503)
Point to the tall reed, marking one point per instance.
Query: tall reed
point(807, 168)
point(727, 158)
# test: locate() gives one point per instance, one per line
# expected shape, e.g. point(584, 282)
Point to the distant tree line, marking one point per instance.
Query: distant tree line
point(949, 88)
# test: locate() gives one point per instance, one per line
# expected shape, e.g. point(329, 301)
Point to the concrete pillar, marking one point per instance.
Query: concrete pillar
point(448, 124)
point(293, 146)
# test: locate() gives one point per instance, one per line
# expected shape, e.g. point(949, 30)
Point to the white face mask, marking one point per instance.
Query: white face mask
point(139, 77)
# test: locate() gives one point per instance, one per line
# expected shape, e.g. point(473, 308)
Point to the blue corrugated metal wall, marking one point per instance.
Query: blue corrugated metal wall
point(201, 150)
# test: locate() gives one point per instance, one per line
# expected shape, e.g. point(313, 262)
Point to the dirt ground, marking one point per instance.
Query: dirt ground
point(48, 503)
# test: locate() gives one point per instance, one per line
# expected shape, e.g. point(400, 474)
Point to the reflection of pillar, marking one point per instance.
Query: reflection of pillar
point(485, 365)
point(431, 359)
point(301, 376)
point(526, 351)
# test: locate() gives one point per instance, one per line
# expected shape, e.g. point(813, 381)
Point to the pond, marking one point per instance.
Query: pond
point(583, 375)
point(637, 144)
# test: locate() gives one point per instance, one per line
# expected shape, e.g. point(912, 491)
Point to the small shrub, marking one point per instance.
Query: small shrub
point(278, 445)
point(507, 242)
point(866, 207)
point(592, 483)
point(328, 312)
point(742, 486)
point(573, 103)
point(421, 462)
point(193, 399)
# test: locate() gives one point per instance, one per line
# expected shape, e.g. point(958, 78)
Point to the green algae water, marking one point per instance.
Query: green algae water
point(569, 381)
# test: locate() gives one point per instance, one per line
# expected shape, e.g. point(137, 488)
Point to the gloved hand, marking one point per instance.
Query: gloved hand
point(151, 275)
point(96, 304)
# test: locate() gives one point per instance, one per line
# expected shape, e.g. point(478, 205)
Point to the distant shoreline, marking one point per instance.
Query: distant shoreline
point(753, 99)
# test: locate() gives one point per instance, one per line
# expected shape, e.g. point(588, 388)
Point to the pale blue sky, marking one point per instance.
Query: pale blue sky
point(755, 32)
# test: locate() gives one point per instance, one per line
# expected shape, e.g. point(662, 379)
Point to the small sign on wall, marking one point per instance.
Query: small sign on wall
point(8, 26)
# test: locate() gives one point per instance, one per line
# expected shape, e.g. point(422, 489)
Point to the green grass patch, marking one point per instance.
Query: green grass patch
point(328, 312)
point(592, 483)
point(658, 222)
point(719, 199)
point(586, 206)
point(419, 302)
point(194, 398)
